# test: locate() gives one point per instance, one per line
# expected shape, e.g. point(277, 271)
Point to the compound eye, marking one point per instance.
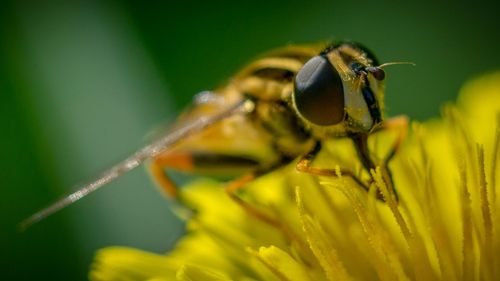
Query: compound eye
point(319, 94)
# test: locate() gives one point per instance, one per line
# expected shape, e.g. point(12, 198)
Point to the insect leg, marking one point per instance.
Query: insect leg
point(202, 163)
point(361, 144)
point(304, 166)
point(177, 161)
point(399, 123)
point(239, 183)
point(167, 186)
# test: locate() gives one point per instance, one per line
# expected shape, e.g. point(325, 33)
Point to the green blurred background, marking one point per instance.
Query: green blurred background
point(82, 84)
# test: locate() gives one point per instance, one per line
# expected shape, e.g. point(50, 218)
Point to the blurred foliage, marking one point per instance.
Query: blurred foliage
point(82, 82)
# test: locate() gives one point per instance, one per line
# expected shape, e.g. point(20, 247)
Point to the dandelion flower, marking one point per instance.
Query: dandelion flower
point(444, 227)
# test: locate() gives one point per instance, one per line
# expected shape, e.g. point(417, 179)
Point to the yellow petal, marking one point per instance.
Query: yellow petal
point(444, 227)
point(120, 263)
point(322, 249)
point(198, 273)
point(281, 264)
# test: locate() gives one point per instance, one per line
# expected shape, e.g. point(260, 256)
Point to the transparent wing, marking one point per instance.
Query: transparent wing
point(137, 158)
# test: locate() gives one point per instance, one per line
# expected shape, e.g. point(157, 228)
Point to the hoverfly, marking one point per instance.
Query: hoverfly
point(277, 109)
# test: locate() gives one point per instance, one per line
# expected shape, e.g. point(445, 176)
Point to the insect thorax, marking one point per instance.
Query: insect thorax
point(290, 137)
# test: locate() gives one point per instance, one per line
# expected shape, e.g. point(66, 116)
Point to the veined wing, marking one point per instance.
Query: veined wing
point(149, 151)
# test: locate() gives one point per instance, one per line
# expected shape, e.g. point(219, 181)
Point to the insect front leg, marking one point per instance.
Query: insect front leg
point(400, 124)
point(305, 162)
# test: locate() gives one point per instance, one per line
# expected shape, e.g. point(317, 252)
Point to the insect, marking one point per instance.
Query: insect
point(278, 109)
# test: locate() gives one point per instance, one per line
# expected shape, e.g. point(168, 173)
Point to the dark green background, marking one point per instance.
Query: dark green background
point(82, 84)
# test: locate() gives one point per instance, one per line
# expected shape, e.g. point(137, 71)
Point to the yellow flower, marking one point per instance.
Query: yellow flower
point(445, 226)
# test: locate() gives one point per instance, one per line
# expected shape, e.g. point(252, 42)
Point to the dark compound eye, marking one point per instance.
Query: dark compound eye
point(319, 94)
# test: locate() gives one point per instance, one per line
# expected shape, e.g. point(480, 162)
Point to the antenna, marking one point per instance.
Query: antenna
point(396, 63)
